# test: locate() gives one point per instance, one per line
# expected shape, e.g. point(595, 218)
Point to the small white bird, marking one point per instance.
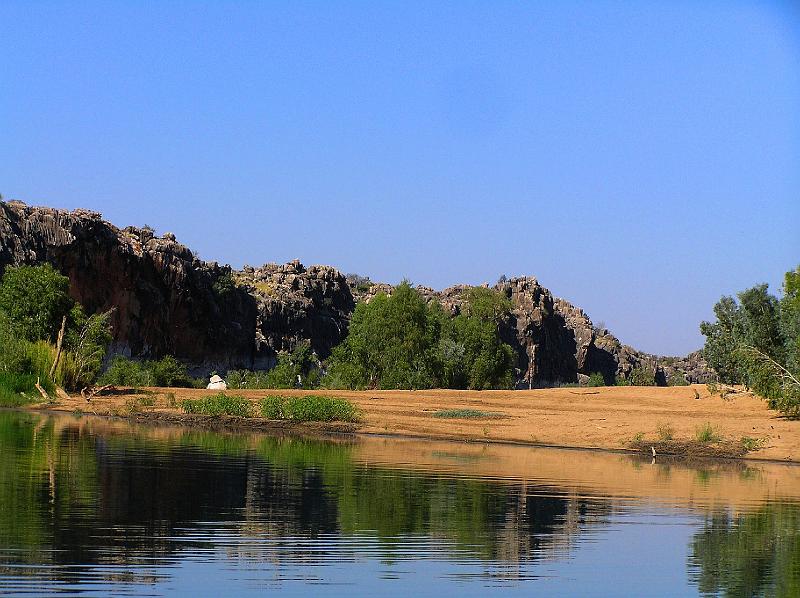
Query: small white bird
point(652, 448)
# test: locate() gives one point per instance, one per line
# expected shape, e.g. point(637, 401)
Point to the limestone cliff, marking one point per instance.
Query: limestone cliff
point(168, 301)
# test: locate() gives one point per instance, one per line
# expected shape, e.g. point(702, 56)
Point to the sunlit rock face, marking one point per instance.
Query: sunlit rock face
point(168, 301)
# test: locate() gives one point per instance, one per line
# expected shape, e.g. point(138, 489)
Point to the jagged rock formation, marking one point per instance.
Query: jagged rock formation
point(295, 303)
point(167, 301)
point(554, 340)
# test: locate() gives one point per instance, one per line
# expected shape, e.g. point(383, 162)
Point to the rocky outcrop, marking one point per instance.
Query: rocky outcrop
point(295, 303)
point(168, 301)
point(555, 341)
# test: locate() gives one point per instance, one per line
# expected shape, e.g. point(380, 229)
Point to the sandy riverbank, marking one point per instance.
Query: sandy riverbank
point(598, 418)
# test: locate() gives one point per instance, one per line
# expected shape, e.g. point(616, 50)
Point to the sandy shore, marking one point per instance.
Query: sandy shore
point(596, 418)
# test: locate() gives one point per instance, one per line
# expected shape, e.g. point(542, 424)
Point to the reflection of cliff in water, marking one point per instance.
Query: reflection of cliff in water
point(749, 554)
point(73, 498)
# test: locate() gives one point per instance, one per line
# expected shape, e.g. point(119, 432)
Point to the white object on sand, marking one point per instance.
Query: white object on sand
point(217, 383)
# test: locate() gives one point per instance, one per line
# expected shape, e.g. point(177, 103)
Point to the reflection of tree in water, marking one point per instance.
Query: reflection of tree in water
point(749, 554)
point(73, 498)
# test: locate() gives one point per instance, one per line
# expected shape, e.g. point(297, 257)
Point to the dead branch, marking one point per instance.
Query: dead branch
point(89, 393)
point(43, 392)
point(58, 348)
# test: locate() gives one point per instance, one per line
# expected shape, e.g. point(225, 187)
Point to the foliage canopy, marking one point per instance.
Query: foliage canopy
point(402, 341)
point(755, 341)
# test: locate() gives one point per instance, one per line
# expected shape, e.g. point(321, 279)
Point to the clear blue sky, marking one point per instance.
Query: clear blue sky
point(639, 158)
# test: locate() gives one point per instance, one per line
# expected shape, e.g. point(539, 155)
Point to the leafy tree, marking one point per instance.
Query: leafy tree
point(86, 342)
point(35, 299)
point(402, 341)
point(642, 375)
point(300, 364)
point(390, 344)
point(482, 359)
point(753, 321)
point(790, 318)
point(756, 342)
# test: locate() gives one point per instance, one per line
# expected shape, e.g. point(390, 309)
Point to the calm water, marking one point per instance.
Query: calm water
point(94, 507)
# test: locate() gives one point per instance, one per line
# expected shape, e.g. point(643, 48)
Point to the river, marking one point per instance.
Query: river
point(93, 506)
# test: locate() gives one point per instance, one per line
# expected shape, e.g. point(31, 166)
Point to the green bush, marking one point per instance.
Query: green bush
point(12, 387)
point(642, 375)
point(35, 299)
point(677, 379)
point(706, 433)
point(300, 363)
point(596, 379)
point(309, 408)
point(219, 404)
point(403, 341)
point(123, 371)
point(167, 371)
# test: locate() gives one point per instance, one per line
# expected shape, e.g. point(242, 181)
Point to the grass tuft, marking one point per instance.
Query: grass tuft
point(219, 404)
point(665, 431)
point(707, 433)
point(753, 444)
point(466, 414)
point(309, 408)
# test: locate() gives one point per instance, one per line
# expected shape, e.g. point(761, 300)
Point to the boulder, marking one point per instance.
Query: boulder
point(217, 383)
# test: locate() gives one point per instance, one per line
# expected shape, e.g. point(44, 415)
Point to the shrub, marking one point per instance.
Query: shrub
point(300, 364)
point(35, 299)
point(596, 379)
point(219, 404)
point(677, 379)
point(706, 433)
point(123, 371)
point(167, 371)
point(642, 375)
point(309, 408)
point(665, 431)
point(12, 387)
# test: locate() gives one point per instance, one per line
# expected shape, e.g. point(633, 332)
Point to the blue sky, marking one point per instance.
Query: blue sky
point(640, 158)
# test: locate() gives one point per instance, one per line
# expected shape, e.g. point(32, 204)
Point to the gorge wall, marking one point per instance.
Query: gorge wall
point(168, 301)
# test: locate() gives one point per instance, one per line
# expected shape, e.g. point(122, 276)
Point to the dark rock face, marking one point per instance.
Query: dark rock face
point(294, 304)
point(167, 301)
point(555, 341)
point(163, 296)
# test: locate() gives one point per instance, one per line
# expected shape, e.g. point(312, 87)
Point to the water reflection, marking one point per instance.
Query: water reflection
point(95, 505)
point(749, 554)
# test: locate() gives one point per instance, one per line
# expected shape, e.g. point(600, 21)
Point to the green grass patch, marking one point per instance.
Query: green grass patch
point(707, 433)
point(13, 384)
point(309, 408)
point(753, 444)
point(466, 414)
point(219, 404)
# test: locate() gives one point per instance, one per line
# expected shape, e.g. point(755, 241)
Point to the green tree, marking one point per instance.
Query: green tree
point(756, 342)
point(753, 321)
point(402, 341)
point(35, 299)
point(471, 350)
point(300, 364)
